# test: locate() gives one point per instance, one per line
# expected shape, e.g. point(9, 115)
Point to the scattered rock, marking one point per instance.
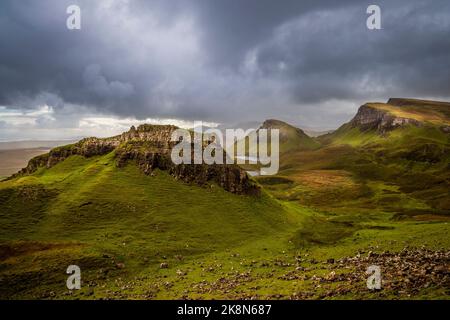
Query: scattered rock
point(181, 273)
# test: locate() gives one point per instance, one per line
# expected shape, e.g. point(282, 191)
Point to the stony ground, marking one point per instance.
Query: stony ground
point(406, 274)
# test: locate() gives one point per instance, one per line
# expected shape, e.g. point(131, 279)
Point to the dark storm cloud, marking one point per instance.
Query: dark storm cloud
point(233, 27)
point(310, 62)
point(410, 56)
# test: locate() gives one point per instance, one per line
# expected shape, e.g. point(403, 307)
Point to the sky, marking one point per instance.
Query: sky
point(310, 63)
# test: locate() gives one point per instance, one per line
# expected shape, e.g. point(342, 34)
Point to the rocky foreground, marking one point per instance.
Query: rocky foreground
point(405, 275)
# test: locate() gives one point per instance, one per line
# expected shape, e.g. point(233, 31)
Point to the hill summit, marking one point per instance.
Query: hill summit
point(291, 138)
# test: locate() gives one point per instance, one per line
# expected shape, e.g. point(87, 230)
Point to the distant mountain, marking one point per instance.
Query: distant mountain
point(291, 138)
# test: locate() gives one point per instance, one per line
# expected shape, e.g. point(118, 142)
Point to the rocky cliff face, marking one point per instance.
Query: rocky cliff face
point(372, 118)
point(150, 147)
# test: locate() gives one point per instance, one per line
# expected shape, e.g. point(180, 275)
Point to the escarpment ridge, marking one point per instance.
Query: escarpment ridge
point(149, 146)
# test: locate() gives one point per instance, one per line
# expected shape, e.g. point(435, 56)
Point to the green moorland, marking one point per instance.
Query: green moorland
point(355, 199)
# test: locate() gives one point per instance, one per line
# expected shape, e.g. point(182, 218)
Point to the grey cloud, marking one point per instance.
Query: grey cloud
point(227, 61)
point(97, 84)
point(335, 59)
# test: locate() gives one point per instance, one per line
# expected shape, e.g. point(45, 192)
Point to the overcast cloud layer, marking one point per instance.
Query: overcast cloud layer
point(311, 63)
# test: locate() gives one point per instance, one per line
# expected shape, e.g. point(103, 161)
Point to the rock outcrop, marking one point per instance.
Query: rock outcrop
point(371, 118)
point(399, 112)
point(150, 146)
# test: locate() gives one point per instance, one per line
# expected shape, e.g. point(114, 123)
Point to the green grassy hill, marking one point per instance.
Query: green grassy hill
point(291, 138)
point(377, 151)
point(373, 192)
point(90, 209)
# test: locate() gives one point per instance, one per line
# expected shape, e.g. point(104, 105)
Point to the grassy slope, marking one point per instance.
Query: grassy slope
point(333, 202)
point(384, 188)
point(410, 164)
point(97, 217)
point(291, 140)
point(90, 205)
